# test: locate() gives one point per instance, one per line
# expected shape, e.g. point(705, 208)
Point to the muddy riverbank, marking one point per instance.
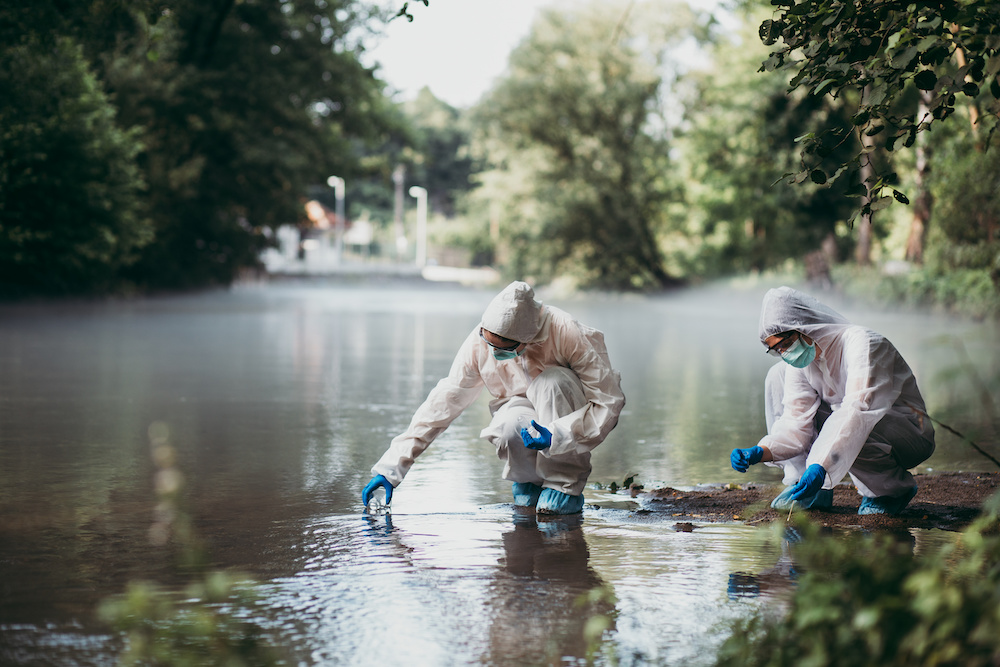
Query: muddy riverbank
point(947, 501)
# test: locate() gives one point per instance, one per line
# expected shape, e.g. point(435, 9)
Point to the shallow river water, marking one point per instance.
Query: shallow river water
point(277, 399)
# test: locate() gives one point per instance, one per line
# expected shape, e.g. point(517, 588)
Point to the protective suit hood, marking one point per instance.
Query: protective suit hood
point(786, 309)
point(514, 313)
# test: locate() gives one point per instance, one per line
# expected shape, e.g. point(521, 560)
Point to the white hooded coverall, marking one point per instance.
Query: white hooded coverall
point(854, 410)
point(563, 379)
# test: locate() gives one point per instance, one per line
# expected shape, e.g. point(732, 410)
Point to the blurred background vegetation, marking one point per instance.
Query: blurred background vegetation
point(159, 144)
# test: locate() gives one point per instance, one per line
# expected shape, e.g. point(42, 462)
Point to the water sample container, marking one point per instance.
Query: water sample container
point(377, 503)
point(525, 423)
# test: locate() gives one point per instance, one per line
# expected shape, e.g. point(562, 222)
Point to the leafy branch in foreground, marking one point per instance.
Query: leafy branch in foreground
point(870, 600)
point(206, 623)
point(404, 10)
point(874, 50)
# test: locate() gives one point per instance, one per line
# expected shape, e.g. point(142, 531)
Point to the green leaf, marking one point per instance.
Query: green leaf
point(821, 88)
point(769, 31)
point(878, 94)
point(775, 61)
point(881, 203)
point(901, 60)
point(857, 190)
point(900, 197)
point(925, 80)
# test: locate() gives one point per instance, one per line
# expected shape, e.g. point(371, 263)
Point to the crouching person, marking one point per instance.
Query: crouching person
point(555, 398)
point(841, 402)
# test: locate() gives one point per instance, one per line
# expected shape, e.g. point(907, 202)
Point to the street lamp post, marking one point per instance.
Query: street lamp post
point(398, 179)
point(421, 196)
point(339, 185)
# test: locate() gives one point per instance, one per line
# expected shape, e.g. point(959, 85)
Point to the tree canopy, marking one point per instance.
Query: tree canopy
point(226, 112)
point(70, 210)
point(877, 50)
point(576, 129)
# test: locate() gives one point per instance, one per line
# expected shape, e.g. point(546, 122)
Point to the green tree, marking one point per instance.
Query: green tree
point(877, 50)
point(244, 105)
point(579, 144)
point(70, 211)
point(444, 164)
point(240, 107)
point(739, 140)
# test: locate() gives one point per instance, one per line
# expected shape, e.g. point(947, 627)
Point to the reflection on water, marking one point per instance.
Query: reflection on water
point(279, 399)
point(496, 586)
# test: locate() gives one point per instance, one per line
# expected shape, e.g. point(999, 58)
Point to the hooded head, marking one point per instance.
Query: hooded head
point(785, 309)
point(514, 313)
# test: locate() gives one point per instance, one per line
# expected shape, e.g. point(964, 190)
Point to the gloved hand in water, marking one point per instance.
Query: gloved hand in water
point(543, 439)
point(377, 481)
point(809, 484)
point(742, 459)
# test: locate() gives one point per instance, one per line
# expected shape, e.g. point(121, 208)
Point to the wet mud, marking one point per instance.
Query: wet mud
point(947, 501)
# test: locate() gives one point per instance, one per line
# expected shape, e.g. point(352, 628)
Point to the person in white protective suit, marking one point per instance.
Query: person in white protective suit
point(841, 401)
point(542, 368)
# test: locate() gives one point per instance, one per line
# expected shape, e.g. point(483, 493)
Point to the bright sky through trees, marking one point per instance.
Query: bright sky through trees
point(455, 47)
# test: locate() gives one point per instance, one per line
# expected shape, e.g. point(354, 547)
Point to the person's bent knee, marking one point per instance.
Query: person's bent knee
point(556, 390)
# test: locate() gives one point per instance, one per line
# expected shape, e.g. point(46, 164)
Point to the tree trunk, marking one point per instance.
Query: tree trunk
point(924, 201)
point(863, 250)
point(973, 107)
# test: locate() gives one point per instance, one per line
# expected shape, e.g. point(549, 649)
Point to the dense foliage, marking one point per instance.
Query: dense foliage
point(872, 600)
point(946, 48)
point(577, 139)
point(745, 222)
point(157, 144)
point(234, 110)
point(69, 185)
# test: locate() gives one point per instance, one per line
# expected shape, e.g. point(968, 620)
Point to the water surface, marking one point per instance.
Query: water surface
point(278, 399)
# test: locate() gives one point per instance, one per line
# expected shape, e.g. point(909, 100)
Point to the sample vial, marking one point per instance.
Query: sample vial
point(523, 422)
point(377, 504)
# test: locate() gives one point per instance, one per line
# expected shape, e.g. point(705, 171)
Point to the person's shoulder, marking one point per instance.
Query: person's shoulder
point(557, 313)
point(860, 340)
point(560, 320)
point(855, 333)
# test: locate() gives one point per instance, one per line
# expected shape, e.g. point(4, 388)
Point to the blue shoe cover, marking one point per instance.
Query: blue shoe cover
point(557, 502)
point(887, 504)
point(823, 500)
point(526, 494)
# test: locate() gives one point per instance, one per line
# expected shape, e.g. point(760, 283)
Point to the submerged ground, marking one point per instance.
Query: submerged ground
point(948, 501)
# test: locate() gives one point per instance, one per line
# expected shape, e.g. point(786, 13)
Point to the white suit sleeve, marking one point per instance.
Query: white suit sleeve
point(794, 431)
point(871, 389)
point(584, 352)
point(446, 401)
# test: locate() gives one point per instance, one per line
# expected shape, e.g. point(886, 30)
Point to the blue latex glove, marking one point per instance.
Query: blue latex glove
point(809, 484)
point(377, 481)
point(742, 459)
point(542, 441)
